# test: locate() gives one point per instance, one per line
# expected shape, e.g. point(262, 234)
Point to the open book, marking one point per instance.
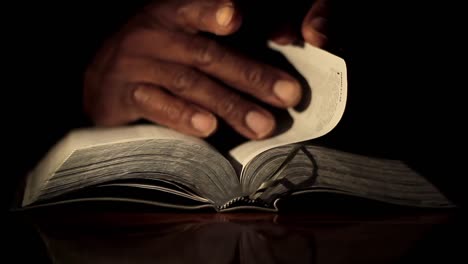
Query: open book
point(154, 165)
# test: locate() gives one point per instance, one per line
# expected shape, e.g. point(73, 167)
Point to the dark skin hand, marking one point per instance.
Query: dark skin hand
point(160, 68)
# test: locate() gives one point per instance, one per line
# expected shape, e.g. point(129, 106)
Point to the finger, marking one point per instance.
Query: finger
point(314, 26)
point(284, 36)
point(257, 79)
point(160, 107)
point(244, 116)
point(107, 100)
point(216, 16)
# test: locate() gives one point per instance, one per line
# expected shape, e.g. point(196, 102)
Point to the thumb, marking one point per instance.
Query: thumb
point(220, 17)
point(314, 26)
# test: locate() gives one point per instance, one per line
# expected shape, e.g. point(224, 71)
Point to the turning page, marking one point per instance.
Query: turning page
point(326, 77)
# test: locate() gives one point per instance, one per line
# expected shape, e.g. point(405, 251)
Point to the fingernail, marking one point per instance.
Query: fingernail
point(224, 15)
point(288, 92)
point(259, 123)
point(204, 123)
point(320, 24)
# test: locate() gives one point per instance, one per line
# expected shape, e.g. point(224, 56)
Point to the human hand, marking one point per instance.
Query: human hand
point(313, 27)
point(159, 68)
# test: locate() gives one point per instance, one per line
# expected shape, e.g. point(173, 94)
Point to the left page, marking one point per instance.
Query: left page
point(326, 77)
point(139, 157)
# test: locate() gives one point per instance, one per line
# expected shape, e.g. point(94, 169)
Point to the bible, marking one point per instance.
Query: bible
point(152, 165)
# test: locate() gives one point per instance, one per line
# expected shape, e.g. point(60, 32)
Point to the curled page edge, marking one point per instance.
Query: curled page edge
point(328, 98)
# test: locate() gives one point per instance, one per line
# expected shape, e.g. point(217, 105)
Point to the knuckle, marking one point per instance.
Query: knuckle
point(205, 52)
point(185, 115)
point(172, 112)
point(256, 76)
point(185, 80)
point(230, 108)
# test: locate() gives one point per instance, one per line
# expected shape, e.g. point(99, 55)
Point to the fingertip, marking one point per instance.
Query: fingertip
point(314, 37)
point(282, 40)
point(228, 19)
point(288, 91)
point(319, 24)
point(314, 31)
point(204, 123)
point(284, 35)
point(261, 123)
point(208, 16)
point(225, 14)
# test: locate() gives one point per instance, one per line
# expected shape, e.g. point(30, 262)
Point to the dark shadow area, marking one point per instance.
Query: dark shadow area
point(306, 95)
point(430, 249)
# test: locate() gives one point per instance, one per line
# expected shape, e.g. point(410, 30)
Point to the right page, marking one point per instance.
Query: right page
point(326, 77)
point(321, 169)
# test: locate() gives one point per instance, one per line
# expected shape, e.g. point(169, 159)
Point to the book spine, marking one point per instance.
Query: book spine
point(242, 201)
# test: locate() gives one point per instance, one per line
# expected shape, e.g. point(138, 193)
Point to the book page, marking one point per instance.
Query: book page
point(326, 77)
point(92, 137)
point(327, 170)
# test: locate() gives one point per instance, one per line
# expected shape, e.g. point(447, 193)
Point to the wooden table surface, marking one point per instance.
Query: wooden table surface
point(244, 237)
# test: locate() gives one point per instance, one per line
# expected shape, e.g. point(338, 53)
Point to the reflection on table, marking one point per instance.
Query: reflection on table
point(130, 237)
